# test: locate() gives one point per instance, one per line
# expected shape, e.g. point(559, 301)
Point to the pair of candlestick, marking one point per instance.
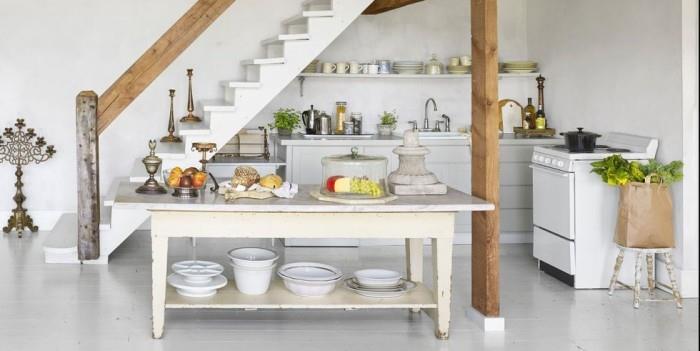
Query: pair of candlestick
point(190, 118)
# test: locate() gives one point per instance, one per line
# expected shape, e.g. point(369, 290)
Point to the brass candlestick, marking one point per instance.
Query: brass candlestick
point(171, 137)
point(152, 163)
point(204, 148)
point(20, 151)
point(190, 118)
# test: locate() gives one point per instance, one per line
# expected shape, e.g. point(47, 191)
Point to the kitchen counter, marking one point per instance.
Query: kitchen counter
point(376, 140)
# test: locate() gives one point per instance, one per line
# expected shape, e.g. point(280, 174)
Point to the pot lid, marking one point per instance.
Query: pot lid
point(354, 156)
point(580, 132)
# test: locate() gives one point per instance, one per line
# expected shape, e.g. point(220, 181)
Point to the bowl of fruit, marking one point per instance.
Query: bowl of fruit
point(185, 183)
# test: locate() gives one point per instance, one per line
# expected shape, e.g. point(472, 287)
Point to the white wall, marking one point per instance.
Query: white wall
point(411, 33)
point(615, 66)
point(50, 50)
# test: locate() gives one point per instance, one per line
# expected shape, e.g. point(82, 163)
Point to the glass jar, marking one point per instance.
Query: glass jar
point(356, 118)
point(433, 66)
point(340, 111)
point(354, 176)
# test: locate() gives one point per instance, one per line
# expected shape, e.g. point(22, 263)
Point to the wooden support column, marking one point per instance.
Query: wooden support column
point(88, 176)
point(485, 156)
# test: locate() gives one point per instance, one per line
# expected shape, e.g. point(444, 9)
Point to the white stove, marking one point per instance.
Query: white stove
point(574, 212)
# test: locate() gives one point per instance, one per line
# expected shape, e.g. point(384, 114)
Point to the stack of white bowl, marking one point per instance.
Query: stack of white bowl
point(378, 283)
point(197, 278)
point(309, 278)
point(252, 269)
point(408, 67)
point(520, 66)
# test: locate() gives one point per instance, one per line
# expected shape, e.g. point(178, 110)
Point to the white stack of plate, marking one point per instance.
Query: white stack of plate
point(379, 283)
point(197, 278)
point(459, 69)
point(252, 269)
point(408, 67)
point(311, 67)
point(309, 278)
point(520, 66)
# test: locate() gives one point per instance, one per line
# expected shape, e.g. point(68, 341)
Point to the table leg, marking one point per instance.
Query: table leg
point(159, 269)
point(637, 278)
point(414, 262)
point(651, 276)
point(442, 285)
point(616, 271)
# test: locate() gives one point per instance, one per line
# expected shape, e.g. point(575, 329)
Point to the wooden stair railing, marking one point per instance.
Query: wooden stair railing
point(157, 58)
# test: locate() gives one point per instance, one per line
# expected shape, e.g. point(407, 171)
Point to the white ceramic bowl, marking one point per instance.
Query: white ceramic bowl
point(252, 280)
point(309, 288)
point(253, 257)
point(377, 277)
point(310, 271)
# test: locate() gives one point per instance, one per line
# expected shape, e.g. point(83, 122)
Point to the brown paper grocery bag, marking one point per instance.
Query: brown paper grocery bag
point(645, 216)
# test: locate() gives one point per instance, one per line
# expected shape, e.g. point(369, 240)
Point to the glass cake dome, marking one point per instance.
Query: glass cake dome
point(354, 176)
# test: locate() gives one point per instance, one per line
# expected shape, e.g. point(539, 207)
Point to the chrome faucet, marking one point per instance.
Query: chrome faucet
point(414, 125)
point(447, 122)
point(426, 121)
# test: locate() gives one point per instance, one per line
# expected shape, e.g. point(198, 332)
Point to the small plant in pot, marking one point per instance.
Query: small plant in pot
point(286, 119)
point(387, 123)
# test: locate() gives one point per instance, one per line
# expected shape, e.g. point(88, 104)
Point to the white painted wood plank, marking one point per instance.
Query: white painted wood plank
point(285, 37)
point(264, 61)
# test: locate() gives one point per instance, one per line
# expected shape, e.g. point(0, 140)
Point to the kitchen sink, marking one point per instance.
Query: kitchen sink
point(440, 135)
point(338, 136)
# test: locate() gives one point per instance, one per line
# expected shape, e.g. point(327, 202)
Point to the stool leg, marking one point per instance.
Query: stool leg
point(616, 272)
point(672, 277)
point(651, 278)
point(637, 278)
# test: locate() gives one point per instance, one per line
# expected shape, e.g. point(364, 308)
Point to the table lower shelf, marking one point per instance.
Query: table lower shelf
point(278, 297)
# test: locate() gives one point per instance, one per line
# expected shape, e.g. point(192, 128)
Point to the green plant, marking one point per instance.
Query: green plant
point(616, 171)
point(388, 118)
point(286, 118)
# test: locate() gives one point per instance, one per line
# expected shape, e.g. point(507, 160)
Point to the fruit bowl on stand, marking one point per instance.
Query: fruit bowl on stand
point(187, 183)
point(354, 179)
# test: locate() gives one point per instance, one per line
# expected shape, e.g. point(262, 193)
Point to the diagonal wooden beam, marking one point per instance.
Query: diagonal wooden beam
point(381, 6)
point(157, 58)
point(485, 156)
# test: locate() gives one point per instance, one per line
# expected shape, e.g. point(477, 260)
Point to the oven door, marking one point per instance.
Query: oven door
point(553, 201)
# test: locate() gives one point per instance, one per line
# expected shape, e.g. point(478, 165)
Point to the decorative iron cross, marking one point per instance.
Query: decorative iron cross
point(19, 150)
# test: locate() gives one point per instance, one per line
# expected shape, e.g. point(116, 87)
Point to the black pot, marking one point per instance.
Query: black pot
point(580, 141)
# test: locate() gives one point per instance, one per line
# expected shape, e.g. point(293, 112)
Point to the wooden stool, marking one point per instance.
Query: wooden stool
point(651, 279)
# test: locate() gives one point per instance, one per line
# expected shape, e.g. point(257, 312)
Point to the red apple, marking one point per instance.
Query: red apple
point(330, 183)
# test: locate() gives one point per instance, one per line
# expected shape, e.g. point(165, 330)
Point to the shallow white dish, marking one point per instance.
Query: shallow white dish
point(189, 289)
point(310, 271)
point(252, 280)
point(377, 277)
point(308, 288)
point(253, 257)
point(399, 291)
point(195, 271)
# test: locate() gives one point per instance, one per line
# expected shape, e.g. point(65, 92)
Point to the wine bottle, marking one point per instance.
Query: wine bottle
point(540, 119)
point(529, 121)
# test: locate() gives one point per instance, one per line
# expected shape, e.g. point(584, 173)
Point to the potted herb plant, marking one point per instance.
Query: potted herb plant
point(387, 123)
point(286, 119)
point(645, 209)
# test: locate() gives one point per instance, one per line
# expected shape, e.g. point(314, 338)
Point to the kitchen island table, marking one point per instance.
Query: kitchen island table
point(413, 218)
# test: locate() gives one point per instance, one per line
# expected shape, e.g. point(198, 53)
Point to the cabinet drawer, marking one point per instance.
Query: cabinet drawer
point(554, 250)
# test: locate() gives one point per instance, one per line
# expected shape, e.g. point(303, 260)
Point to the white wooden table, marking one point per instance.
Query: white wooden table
point(413, 218)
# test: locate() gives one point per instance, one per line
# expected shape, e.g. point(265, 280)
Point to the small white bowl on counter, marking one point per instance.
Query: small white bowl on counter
point(377, 277)
point(252, 269)
point(309, 279)
point(253, 257)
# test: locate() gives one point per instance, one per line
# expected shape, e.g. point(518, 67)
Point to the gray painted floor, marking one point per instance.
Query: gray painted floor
point(72, 307)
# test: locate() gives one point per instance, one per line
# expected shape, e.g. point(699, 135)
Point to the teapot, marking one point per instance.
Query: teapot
point(309, 117)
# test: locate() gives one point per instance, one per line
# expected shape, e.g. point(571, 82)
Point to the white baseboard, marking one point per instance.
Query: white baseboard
point(45, 219)
point(487, 324)
point(687, 280)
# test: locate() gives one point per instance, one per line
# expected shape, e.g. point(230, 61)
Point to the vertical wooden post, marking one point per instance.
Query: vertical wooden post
point(88, 176)
point(485, 156)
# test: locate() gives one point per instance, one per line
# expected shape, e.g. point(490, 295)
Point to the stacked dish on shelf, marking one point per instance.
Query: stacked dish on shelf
point(379, 283)
point(520, 66)
point(252, 269)
point(310, 279)
point(408, 67)
point(311, 67)
point(197, 278)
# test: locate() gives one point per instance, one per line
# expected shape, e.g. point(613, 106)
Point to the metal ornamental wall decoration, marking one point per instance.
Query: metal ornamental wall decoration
point(20, 149)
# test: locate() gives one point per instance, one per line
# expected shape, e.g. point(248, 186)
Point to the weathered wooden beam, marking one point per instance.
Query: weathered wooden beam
point(88, 176)
point(485, 156)
point(381, 6)
point(157, 58)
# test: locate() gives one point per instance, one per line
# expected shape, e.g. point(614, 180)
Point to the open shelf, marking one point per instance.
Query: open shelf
point(278, 297)
point(412, 76)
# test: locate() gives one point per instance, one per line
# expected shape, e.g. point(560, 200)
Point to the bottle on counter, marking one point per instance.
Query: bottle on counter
point(540, 118)
point(340, 111)
point(529, 111)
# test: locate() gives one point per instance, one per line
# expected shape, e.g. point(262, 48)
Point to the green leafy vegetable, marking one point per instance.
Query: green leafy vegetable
point(286, 118)
point(616, 171)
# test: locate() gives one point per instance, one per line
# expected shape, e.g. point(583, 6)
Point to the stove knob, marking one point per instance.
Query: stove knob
point(560, 163)
point(547, 160)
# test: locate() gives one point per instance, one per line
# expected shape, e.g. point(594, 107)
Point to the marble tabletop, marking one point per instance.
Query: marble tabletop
point(453, 201)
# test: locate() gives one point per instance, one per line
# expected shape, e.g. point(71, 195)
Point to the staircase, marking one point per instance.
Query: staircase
point(304, 37)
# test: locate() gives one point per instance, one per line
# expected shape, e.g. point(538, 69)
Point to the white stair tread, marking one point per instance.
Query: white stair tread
point(108, 199)
point(170, 150)
point(201, 128)
point(299, 19)
point(265, 61)
point(219, 106)
point(286, 37)
point(246, 85)
point(138, 173)
point(105, 218)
